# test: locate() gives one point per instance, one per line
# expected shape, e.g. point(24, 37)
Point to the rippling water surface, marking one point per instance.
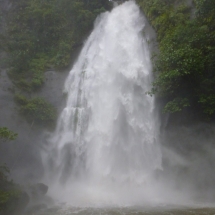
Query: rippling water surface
point(161, 210)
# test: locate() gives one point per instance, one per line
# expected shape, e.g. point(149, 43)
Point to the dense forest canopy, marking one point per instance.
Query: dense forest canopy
point(185, 65)
point(42, 35)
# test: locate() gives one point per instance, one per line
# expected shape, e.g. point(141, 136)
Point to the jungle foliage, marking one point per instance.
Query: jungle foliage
point(36, 110)
point(42, 34)
point(6, 134)
point(9, 192)
point(185, 66)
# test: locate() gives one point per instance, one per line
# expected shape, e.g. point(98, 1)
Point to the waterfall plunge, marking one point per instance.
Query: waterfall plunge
point(105, 147)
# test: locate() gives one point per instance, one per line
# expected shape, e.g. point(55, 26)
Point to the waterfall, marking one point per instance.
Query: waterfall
point(105, 146)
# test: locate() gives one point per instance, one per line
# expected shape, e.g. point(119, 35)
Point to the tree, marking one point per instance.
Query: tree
point(6, 134)
point(9, 192)
point(184, 67)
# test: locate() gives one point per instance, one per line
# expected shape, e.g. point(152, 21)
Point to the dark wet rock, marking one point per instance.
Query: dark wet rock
point(38, 190)
point(22, 202)
point(39, 200)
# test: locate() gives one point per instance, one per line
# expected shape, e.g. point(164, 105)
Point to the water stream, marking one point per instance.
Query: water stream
point(106, 147)
point(104, 156)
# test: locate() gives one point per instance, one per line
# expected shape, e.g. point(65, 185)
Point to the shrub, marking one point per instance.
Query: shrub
point(6, 134)
point(185, 63)
point(36, 110)
point(43, 34)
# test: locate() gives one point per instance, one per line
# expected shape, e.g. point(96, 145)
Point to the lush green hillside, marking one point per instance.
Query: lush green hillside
point(185, 66)
point(42, 35)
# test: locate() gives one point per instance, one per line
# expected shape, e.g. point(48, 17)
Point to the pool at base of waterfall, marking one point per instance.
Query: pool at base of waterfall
point(158, 210)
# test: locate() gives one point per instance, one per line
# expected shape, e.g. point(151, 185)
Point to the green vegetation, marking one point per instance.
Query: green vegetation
point(36, 110)
point(6, 134)
point(185, 65)
point(43, 34)
point(9, 192)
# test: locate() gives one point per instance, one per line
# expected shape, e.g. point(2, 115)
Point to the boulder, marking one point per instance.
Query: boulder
point(38, 190)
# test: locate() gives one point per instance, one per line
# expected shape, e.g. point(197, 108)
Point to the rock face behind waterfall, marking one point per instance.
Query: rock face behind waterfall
point(23, 154)
point(106, 139)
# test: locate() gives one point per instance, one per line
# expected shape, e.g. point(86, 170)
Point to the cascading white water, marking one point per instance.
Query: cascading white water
point(105, 147)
